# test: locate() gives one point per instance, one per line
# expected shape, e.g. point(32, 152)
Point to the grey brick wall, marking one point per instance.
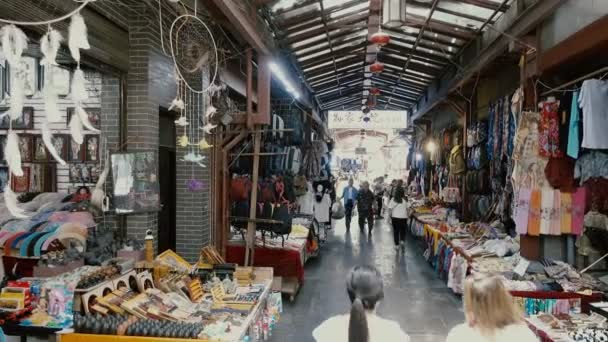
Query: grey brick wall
point(151, 84)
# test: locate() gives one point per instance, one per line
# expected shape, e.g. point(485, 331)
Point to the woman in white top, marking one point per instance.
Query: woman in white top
point(398, 213)
point(365, 289)
point(491, 315)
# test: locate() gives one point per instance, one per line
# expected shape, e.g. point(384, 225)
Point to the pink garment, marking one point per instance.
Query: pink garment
point(578, 211)
point(523, 210)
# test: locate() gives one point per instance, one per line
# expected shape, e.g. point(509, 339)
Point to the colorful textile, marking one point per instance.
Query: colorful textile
point(556, 218)
point(535, 213)
point(566, 213)
point(549, 130)
point(578, 211)
point(574, 143)
point(522, 211)
point(547, 210)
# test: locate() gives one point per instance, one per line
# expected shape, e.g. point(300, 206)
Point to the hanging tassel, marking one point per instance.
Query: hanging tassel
point(76, 129)
point(203, 144)
point(176, 103)
point(12, 154)
point(78, 36)
point(210, 111)
point(182, 121)
point(14, 42)
point(84, 118)
point(79, 89)
point(10, 200)
point(49, 46)
point(17, 96)
point(47, 137)
point(98, 193)
point(208, 128)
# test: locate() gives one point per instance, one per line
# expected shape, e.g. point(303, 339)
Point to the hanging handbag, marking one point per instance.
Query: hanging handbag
point(281, 213)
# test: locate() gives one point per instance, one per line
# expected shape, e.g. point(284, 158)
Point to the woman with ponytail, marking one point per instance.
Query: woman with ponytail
point(365, 290)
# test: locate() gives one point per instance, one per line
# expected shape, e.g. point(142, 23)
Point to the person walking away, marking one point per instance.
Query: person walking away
point(379, 194)
point(365, 201)
point(391, 189)
point(490, 314)
point(349, 195)
point(398, 213)
point(365, 290)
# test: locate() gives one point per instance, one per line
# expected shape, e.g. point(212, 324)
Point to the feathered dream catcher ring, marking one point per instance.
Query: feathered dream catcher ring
point(193, 48)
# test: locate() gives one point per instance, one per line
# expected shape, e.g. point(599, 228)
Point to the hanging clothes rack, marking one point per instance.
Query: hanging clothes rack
point(582, 78)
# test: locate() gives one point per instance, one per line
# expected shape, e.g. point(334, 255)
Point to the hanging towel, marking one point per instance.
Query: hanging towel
point(566, 213)
point(547, 202)
point(573, 134)
point(523, 211)
point(578, 211)
point(534, 217)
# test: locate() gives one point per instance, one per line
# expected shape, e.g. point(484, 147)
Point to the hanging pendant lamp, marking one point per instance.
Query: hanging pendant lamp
point(376, 67)
point(374, 91)
point(393, 13)
point(380, 38)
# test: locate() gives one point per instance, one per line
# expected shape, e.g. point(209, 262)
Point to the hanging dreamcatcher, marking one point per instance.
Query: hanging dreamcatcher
point(195, 57)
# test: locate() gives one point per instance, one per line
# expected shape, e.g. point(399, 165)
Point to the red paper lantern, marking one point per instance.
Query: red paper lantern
point(374, 91)
point(376, 68)
point(371, 102)
point(380, 38)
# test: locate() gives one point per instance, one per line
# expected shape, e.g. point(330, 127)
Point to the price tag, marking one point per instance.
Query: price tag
point(522, 267)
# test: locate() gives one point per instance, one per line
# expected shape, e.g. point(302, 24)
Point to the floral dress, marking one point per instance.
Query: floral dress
point(549, 130)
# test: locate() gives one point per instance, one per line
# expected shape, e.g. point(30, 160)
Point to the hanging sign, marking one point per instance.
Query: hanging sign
point(360, 150)
point(376, 119)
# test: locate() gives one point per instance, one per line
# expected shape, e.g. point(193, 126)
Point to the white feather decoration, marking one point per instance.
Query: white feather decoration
point(78, 36)
point(210, 111)
point(76, 129)
point(12, 154)
point(79, 89)
point(84, 118)
point(98, 193)
point(51, 109)
point(17, 96)
point(49, 45)
point(14, 42)
point(47, 137)
point(177, 103)
point(208, 128)
point(10, 200)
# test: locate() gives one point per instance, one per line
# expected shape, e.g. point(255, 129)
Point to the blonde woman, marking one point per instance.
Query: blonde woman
point(491, 315)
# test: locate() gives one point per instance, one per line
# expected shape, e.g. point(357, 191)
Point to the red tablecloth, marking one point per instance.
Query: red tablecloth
point(286, 263)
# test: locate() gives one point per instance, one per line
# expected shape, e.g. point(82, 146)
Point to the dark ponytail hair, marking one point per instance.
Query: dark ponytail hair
point(399, 194)
point(365, 289)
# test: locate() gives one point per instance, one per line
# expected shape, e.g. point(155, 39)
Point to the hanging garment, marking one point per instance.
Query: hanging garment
point(506, 118)
point(306, 201)
point(322, 208)
point(556, 228)
point(594, 102)
point(560, 173)
point(549, 130)
point(578, 210)
point(564, 113)
point(522, 211)
point(547, 210)
point(566, 213)
point(526, 139)
point(593, 164)
point(491, 137)
point(574, 142)
point(535, 212)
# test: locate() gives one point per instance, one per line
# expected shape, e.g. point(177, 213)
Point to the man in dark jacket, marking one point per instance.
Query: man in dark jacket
point(365, 200)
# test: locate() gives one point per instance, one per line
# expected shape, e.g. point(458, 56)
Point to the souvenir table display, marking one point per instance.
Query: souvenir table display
point(119, 300)
point(455, 249)
point(569, 327)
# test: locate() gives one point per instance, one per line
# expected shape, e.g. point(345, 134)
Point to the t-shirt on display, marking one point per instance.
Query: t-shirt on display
point(593, 100)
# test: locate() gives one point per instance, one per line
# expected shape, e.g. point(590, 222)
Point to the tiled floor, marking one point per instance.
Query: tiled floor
point(414, 295)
